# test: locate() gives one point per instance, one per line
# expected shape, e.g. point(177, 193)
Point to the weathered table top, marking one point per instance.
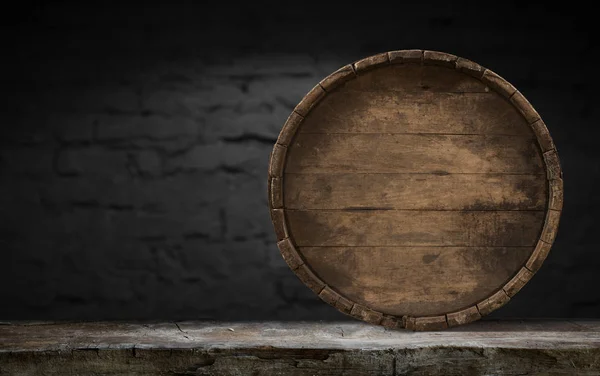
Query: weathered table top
point(299, 348)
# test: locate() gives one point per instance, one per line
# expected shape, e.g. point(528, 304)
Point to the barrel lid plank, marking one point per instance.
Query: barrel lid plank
point(415, 189)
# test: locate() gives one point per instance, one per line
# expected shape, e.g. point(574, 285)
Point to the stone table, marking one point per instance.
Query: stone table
point(489, 347)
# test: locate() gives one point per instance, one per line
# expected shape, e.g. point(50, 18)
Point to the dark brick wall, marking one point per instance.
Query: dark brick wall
point(135, 141)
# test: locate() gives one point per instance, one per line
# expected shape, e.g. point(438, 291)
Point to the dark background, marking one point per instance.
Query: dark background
point(135, 141)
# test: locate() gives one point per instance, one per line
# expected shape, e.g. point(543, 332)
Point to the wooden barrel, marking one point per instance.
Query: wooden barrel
point(415, 189)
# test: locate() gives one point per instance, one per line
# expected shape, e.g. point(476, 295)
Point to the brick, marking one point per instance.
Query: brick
point(201, 223)
point(27, 162)
point(72, 127)
point(148, 162)
point(24, 129)
point(329, 62)
point(281, 90)
point(168, 102)
point(179, 194)
point(289, 253)
point(119, 127)
point(214, 94)
point(464, 316)
point(247, 157)
point(265, 65)
point(202, 157)
point(114, 98)
point(228, 123)
point(247, 217)
point(92, 161)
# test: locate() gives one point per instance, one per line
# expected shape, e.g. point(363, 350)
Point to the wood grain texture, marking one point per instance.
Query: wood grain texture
point(431, 323)
point(419, 228)
point(439, 79)
point(391, 322)
point(329, 296)
point(337, 78)
point(311, 280)
point(415, 191)
point(366, 314)
point(405, 56)
point(208, 348)
point(440, 58)
point(289, 253)
point(462, 317)
point(543, 136)
point(310, 100)
point(469, 67)
point(371, 62)
point(556, 194)
point(493, 303)
point(279, 224)
point(445, 113)
point(517, 282)
point(414, 78)
point(538, 256)
point(277, 160)
point(550, 226)
point(553, 168)
point(398, 280)
point(523, 105)
point(344, 305)
point(499, 84)
point(413, 153)
point(276, 190)
point(289, 129)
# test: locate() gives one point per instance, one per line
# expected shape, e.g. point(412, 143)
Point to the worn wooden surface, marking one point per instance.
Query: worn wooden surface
point(295, 348)
point(408, 165)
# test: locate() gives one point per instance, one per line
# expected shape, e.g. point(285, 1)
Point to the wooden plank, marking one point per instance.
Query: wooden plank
point(371, 62)
point(463, 316)
point(430, 323)
point(394, 112)
point(289, 253)
point(519, 101)
point(517, 282)
point(553, 168)
point(440, 58)
point(416, 228)
point(398, 280)
point(538, 256)
point(329, 296)
point(402, 78)
point(469, 67)
point(306, 275)
point(413, 153)
point(279, 225)
point(499, 84)
point(349, 348)
point(543, 135)
point(415, 191)
point(337, 78)
point(443, 79)
point(414, 78)
point(493, 303)
point(277, 160)
point(275, 189)
point(289, 129)
point(406, 56)
point(366, 314)
point(551, 226)
point(310, 100)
